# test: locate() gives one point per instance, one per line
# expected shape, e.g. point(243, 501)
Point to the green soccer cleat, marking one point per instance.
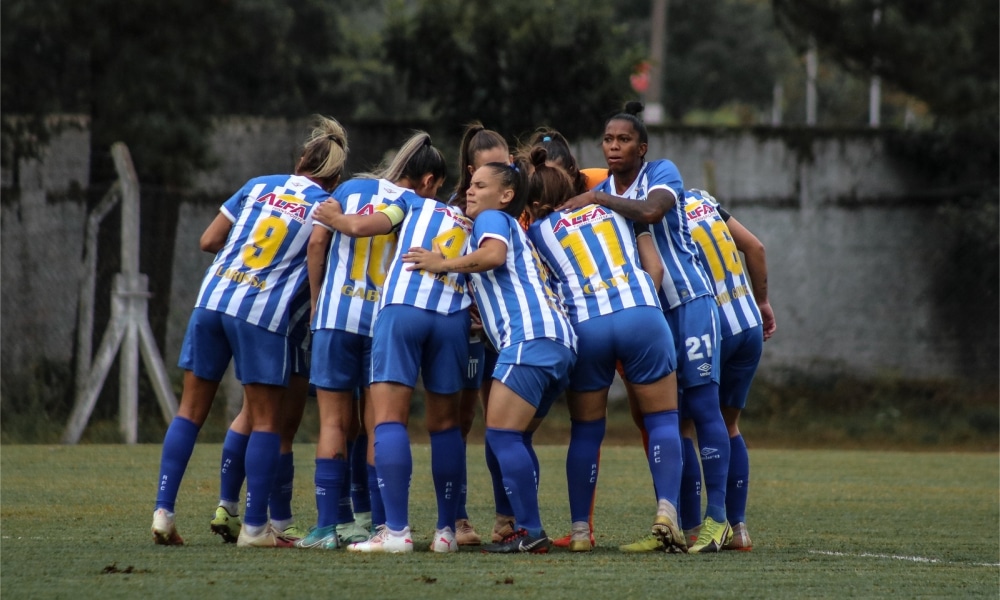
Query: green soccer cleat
point(226, 525)
point(650, 543)
point(294, 532)
point(353, 532)
point(320, 538)
point(713, 536)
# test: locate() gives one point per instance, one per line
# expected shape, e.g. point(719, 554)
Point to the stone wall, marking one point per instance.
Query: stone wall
point(854, 281)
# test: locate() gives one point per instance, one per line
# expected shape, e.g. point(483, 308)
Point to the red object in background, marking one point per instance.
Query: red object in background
point(640, 78)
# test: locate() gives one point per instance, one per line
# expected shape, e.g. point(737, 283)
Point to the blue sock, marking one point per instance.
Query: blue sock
point(463, 487)
point(263, 451)
point(665, 455)
point(178, 444)
point(233, 471)
point(518, 476)
point(500, 500)
point(581, 465)
point(280, 504)
point(345, 511)
point(375, 494)
point(690, 498)
point(713, 440)
point(447, 462)
point(739, 480)
point(394, 464)
point(329, 480)
point(359, 475)
point(530, 446)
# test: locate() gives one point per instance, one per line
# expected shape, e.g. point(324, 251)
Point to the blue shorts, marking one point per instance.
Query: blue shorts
point(537, 370)
point(212, 338)
point(410, 341)
point(477, 360)
point(695, 326)
point(341, 361)
point(639, 337)
point(740, 357)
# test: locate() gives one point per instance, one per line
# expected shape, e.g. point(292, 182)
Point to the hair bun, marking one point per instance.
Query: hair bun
point(634, 107)
point(538, 156)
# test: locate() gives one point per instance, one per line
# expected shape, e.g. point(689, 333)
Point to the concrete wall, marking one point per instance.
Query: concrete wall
point(853, 279)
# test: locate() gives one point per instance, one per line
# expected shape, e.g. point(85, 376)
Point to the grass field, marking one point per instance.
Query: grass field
point(74, 523)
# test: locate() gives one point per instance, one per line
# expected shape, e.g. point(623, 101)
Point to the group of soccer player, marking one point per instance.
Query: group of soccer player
point(535, 279)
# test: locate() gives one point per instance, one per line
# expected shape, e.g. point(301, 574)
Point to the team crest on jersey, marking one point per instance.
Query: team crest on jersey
point(577, 219)
point(698, 210)
point(295, 207)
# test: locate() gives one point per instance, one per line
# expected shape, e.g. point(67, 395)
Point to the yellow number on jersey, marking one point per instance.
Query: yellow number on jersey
point(372, 255)
point(265, 240)
point(576, 246)
point(723, 256)
point(450, 242)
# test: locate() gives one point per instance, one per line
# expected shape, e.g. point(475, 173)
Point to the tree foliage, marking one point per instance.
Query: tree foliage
point(513, 65)
point(941, 51)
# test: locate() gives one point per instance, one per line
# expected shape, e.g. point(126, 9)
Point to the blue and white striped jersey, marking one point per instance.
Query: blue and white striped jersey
point(515, 300)
point(733, 295)
point(356, 268)
point(591, 254)
point(684, 280)
point(263, 264)
point(425, 222)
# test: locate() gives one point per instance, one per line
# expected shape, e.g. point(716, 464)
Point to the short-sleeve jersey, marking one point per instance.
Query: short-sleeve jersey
point(515, 299)
point(591, 254)
point(263, 263)
point(356, 267)
point(733, 295)
point(684, 280)
point(425, 222)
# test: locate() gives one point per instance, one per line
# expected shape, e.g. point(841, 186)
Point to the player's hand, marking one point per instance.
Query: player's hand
point(767, 315)
point(421, 258)
point(327, 213)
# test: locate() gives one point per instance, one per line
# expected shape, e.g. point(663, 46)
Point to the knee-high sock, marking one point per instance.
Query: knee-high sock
point(280, 504)
point(329, 481)
point(447, 466)
point(530, 447)
point(463, 487)
point(345, 511)
point(581, 466)
point(690, 498)
point(500, 499)
point(233, 471)
point(263, 451)
point(739, 480)
point(518, 476)
point(375, 494)
point(394, 464)
point(713, 441)
point(178, 444)
point(359, 475)
point(665, 455)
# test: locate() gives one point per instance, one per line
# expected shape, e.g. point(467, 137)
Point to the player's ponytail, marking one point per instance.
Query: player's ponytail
point(548, 187)
point(513, 177)
point(416, 158)
point(325, 152)
point(475, 139)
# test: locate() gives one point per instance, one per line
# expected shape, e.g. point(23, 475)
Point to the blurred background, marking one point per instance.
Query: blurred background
point(857, 139)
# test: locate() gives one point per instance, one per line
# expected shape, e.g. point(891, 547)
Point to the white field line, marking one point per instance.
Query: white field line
point(916, 559)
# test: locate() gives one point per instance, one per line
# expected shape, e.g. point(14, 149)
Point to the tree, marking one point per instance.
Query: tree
point(513, 65)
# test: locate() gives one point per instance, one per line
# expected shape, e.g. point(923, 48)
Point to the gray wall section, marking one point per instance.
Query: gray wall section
point(852, 272)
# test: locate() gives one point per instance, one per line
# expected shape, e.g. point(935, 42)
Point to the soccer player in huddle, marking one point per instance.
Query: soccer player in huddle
point(525, 323)
point(653, 193)
point(422, 328)
point(596, 265)
point(478, 147)
point(747, 320)
point(242, 313)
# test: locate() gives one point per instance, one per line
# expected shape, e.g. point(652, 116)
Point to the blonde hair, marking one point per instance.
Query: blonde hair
point(416, 158)
point(325, 152)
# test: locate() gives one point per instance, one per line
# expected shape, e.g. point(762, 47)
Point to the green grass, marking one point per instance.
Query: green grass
point(74, 523)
